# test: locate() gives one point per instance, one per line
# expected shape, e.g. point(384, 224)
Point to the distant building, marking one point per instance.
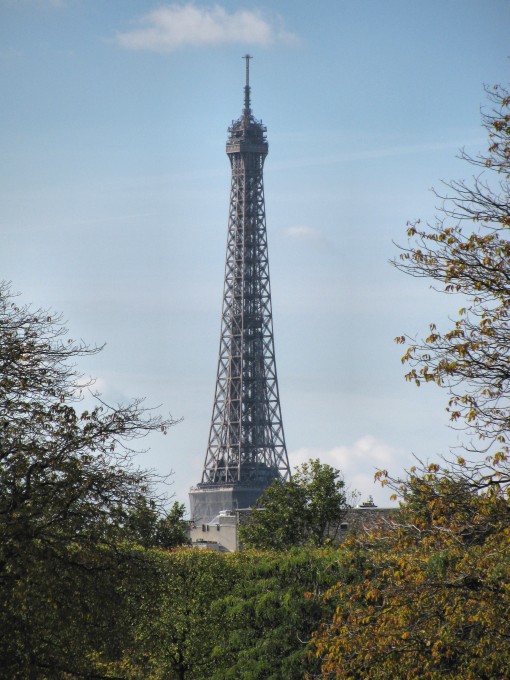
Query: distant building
point(221, 532)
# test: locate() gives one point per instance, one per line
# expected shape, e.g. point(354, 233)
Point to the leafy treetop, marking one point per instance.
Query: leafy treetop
point(307, 510)
point(466, 252)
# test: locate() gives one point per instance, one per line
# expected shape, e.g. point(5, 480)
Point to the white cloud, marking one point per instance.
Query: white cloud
point(308, 234)
point(301, 232)
point(358, 463)
point(169, 28)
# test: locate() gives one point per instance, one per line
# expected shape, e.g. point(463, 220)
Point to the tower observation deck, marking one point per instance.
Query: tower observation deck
point(246, 449)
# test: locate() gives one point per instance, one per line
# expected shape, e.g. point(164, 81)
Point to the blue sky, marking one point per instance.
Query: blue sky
point(114, 194)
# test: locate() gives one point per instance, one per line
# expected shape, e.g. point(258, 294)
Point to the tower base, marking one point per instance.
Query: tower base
point(208, 500)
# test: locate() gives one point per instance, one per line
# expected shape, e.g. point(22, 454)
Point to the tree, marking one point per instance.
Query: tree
point(306, 510)
point(152, 527)
point(211, 616)
point(467, 253)
point(177, 629)
point(271, 610)
point(66, 477)
point(429, 596)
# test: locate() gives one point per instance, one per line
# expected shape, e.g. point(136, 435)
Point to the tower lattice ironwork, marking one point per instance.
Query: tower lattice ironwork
point(246, 448)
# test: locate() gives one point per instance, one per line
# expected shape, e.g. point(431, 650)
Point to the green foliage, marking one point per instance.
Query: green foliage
point(307, 510)
point(215, 615)
point(280, 522)
point(148, 525)
point(65, 479)
point(431, 600)
point(271, 613)
point(175, 631)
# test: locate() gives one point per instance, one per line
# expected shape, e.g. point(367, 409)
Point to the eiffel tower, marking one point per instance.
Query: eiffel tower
point(246, 449)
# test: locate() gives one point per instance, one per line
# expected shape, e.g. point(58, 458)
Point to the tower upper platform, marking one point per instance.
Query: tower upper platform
point(247, 134)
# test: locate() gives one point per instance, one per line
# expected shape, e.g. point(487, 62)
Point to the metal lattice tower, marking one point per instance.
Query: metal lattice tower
point(246, 449)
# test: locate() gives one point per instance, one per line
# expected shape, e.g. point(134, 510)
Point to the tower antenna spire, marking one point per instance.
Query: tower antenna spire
point(247, 103)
